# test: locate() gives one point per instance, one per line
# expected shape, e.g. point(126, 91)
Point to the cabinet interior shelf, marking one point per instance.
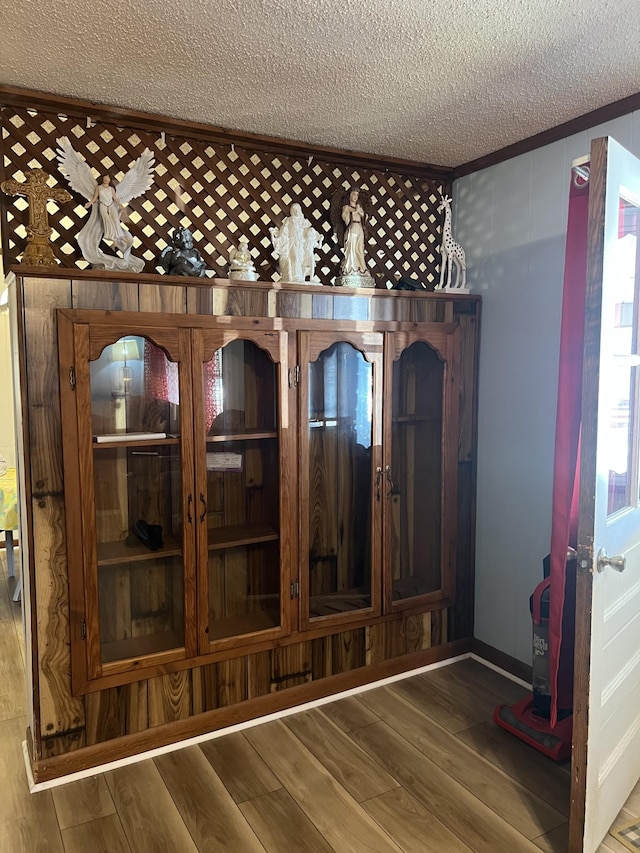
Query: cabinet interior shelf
point(137, 647)
point(232, 536)
point(235, 535)
point(249, 623)
point(247, 435)
point(144, 442)
point(115, 553)
point(413, 419)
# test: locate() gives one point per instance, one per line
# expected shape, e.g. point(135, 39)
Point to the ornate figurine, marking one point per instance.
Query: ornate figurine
point(182, 258)
point(104, 222)
point(349, 217)
point(293, 246)
point(241, 264)
point(451, 253)
point(38, 251)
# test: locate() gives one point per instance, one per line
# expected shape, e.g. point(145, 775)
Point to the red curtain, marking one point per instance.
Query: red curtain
point(161, 381)
point(564, 529)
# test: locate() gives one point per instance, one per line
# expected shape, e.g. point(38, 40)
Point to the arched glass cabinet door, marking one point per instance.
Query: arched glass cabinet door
point(340, 451)
point(242, 433)
point(135, 482)
point(420, 470)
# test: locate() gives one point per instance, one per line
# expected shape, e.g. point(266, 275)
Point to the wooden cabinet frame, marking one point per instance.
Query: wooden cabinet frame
point(311, 345)
point(445, 341)
point(291, 345)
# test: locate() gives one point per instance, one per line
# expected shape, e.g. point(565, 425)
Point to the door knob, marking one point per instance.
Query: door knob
point(619, 563)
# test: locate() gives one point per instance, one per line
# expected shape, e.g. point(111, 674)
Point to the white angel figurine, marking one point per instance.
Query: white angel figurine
point(104, 222)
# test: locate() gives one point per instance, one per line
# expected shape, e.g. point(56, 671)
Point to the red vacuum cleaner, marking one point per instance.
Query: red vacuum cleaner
point(530, 719)
point(544, 719)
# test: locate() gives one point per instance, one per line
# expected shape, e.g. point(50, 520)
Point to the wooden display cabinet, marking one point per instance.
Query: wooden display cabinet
point(238, 497)
point(174, 449)
point(242, 442)
point(180, 445)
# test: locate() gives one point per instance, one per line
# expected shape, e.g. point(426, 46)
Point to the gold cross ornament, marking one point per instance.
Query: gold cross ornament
point(38, 251)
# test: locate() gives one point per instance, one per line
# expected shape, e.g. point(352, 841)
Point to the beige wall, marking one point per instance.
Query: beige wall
point(512, 219)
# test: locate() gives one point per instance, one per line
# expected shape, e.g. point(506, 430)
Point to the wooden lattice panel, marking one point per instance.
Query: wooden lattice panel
point(221, 192)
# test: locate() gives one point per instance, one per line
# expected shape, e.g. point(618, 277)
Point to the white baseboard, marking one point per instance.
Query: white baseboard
point(182, 744)
point(506, 674)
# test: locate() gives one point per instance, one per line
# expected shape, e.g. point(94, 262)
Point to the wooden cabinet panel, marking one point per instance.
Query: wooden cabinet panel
point(249, 498)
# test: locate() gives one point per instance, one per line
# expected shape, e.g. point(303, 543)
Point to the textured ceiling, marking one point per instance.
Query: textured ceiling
point(429, 80)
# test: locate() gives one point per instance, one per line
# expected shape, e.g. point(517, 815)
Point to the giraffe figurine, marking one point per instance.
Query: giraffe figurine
point(451, 252)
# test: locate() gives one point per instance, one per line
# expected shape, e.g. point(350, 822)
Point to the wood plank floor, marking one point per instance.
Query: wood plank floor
point(416, 766)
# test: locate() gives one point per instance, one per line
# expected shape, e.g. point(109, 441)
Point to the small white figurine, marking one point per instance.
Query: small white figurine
point(293, 246)
point(104, 222)
point(451, 253)
point(241, 265)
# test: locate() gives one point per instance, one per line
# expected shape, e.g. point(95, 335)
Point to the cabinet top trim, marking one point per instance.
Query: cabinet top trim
point(106, 276)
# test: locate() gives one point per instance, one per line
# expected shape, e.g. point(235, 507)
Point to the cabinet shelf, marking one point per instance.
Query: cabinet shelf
point(414, 419)
point(235, 535)
point(144, 442)
point(249, 623)
point(248, 435)
point(137, 647)
point(114, 553)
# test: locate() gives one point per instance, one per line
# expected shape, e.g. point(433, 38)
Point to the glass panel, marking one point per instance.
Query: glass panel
point(620, 339)
point(139, 534)
point(243, 495)
point(244, 583)
point(340, 434)
point(134, 389)
point(416, 472)
point(138, 500)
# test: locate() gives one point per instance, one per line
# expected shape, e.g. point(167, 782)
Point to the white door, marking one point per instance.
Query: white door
point(606, 759)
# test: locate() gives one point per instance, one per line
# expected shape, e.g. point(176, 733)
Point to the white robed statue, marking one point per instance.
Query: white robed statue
point(350, 213)
point(104, 222)
point(294, 243)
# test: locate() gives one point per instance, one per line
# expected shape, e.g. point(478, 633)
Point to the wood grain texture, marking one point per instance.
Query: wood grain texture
point(411, 825)
point(82, 801)
point(150, 818)
point(557, 841)
point(282, 826)
point(455, 684)
point(27, 821)
point(12, 672)
point(165, 299)
point(455, 807)
point(59, 710)
point(103, 835)
point(417, 632)
point(410, 815)
point(336, 815)
point(111, 296)
point(471, 672)
point(169, 697)
point(45, 455)
point(529, 767)
point(205, 805)
point(349, 714)
point(385, 641)
point(244, 773)
point(353, 768)
point(62, 744)
point(524, 811)
point(169, 693)
point(438, 703)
